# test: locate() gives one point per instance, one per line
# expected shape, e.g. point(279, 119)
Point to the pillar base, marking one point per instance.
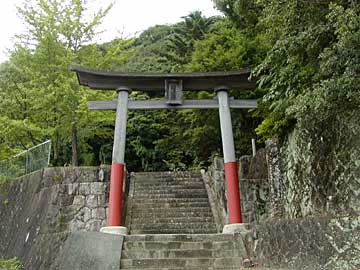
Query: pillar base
point(118, 230)
point(241, 228)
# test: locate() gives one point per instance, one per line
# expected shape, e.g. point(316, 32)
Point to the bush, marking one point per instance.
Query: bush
point(10, 264)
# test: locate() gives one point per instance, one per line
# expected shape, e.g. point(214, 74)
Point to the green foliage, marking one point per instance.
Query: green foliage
point(4, 183)
point(328, 123)
point(156, 140)
point(166, 48)
point(243, 13)
point(310, 74)
point(185, 34)
point(304, 53)
point(41, 98)
point(225, 48)
point(300, 34)
point(10, 264)
point(150, 50)
point(175, 140)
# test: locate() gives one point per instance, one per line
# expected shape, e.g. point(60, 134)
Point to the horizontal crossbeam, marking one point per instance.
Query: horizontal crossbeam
point(161, 104)
point(198, 81)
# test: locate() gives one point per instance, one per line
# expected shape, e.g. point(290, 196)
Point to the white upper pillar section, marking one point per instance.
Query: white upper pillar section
point(226, 125)
point(120, 125)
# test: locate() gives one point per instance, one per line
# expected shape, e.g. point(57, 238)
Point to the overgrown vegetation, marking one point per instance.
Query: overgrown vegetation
point(312, 83)
point(10, 264)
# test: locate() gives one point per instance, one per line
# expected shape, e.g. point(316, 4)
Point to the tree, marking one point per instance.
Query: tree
point(310, 77)
point(59, 29)
point(225, 49)
point(150, 51)
point(58, 34)
point(180, 45)
point(243, 13)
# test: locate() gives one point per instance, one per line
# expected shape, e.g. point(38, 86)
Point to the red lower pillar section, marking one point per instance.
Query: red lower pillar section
point(115, 198)
point(232, 191)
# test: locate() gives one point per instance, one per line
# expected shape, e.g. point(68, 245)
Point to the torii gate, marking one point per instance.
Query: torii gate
point(173, 84)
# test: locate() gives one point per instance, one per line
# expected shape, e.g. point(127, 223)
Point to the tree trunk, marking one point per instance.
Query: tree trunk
point(74, 152)
point(55, 161)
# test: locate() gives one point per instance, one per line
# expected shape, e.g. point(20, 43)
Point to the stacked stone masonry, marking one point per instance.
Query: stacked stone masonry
point(80, 200)
point(39, 210)
point(253, 187)
point(321, 243)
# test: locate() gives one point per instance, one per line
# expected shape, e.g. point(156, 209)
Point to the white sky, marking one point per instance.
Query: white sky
point(126, 18)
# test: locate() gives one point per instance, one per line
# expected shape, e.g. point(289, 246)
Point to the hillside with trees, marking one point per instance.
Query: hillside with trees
point(305, 55)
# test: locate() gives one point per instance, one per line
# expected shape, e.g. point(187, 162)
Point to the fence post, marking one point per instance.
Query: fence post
point(26, 162)
point(253, 145)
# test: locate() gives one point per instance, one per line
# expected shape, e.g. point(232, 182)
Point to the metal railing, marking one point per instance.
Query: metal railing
point(30, 160)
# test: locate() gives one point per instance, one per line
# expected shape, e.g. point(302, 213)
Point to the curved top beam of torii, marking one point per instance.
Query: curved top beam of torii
point(156, 81)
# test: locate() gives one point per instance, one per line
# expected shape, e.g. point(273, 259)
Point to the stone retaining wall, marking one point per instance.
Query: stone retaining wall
point(253, 187)
point(39, 210)
point(310, 243)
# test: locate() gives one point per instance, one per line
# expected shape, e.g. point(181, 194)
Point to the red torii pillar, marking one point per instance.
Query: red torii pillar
point(118, 165)
point(231, 176)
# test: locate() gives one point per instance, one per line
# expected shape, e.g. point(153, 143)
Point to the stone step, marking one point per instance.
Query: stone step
point(216, 237)
point(161, 190)
point(168, 191)
point(183, 209)
point(197, 194)
point(178, 245)
point(175, 186)
point(169, 205)
point(172, 220)
point(172, 231)
point(171, 226)
point(157, 175)
point(167, 183)
point(166, 174)
point(168, 254)
point(205, 212)
point(188, 226)
point(181, 253)
point(169, 180)
point(165, 200)
point(181, 263)
point(199, 268)
point(209, 268)
point(150, 179)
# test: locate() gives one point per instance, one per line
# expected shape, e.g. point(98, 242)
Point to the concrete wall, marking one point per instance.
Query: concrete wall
point(92, 251)
point(38, 211)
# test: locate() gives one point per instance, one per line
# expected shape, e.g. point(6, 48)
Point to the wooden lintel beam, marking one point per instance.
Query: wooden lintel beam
point(161, 104)
point(194, 81)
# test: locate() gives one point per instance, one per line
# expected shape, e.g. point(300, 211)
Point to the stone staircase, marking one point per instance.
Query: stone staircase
point(189, 252)
point(169, 203)
point(172, 227)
